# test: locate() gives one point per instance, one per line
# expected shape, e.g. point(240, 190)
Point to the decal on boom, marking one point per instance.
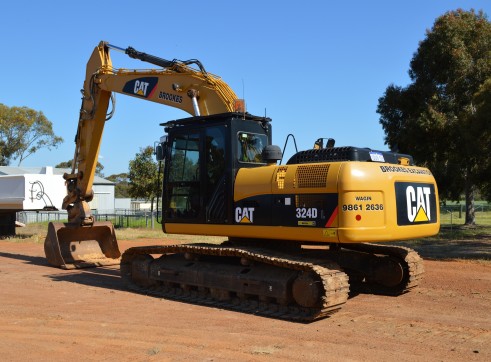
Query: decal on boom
point(141, 87)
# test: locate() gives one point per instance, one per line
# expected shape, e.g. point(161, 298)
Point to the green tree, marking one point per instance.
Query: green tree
point(481, 122)
point(122, 185)
point(68, 164)
point(143, 176)
point(439, 117)
point(23, 131)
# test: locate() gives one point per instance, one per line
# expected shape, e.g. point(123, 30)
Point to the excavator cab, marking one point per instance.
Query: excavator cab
point(203, 155)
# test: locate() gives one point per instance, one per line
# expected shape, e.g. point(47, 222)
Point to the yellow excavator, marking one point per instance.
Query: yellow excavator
point(300, 235)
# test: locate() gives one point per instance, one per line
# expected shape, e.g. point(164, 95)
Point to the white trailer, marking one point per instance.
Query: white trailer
point(28, 192)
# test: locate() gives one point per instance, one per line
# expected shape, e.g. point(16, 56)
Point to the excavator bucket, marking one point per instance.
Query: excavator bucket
point(70, 247)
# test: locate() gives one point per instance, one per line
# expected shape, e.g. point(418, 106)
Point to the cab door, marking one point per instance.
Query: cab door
point(182, 193)
point(215, 176)
point(195, 179)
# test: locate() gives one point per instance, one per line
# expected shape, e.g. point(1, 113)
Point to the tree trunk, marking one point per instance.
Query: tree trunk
point(151, 212)
point(470, 212)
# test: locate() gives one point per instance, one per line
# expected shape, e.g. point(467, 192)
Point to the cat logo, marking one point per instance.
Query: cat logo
point(141, 87)
point(244, 215)
point(416, 203)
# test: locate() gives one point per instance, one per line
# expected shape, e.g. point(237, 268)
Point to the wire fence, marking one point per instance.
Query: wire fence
point(30, 217)
point(455, 214)
point(449, 215)
point(119, 218)
point(132, 220)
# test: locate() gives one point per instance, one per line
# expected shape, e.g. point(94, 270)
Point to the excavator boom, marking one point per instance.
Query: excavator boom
point(175, 83)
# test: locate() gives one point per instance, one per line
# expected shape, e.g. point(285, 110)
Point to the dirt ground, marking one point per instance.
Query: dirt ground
point(83, 315)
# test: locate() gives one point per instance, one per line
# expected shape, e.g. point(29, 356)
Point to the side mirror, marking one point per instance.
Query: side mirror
point(159, 152)
point(159, 148)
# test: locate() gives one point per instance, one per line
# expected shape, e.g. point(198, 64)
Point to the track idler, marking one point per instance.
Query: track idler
point(380, 269)
point(69, 247)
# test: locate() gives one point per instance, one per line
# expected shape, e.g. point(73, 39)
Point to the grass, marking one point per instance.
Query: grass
point(464, 243)
point(456, 218)
point(452, 227)
point(464, 232)
point(36, 233)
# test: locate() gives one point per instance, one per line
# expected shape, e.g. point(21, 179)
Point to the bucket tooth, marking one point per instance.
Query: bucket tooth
point(70, 247)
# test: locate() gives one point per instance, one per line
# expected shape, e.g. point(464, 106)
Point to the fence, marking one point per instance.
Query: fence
point(119, 218)
point(449, 214)
point(136, 219)
point(29, 217)
point(455, 214)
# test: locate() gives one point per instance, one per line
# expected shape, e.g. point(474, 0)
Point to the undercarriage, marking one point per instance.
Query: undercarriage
point(297, 284)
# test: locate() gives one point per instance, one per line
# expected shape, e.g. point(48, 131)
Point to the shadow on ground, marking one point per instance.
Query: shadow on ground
point(35, 260)
point(101, 277)
point(453, 249)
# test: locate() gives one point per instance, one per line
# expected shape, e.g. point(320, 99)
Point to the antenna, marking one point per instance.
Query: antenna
point(243, 97)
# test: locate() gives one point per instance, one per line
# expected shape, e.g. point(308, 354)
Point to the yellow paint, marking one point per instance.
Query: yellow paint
point(245, 220)
point(421, 216)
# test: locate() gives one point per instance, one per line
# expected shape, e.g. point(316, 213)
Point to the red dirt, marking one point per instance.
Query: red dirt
point(52, 314)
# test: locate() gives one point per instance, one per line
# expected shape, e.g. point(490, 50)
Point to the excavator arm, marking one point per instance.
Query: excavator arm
point(176, 84)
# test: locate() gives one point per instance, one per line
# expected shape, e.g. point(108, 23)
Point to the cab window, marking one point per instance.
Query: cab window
point(185, 158)
point(183, 187)
point(250, 147)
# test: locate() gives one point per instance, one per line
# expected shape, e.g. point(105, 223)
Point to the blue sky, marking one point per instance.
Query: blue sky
point(317, 68)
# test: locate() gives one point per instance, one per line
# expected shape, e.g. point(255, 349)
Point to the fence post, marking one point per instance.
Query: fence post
point(451, 220)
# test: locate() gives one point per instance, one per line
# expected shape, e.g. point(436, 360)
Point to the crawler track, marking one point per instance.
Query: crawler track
point(333, 282)
point(410, 261)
